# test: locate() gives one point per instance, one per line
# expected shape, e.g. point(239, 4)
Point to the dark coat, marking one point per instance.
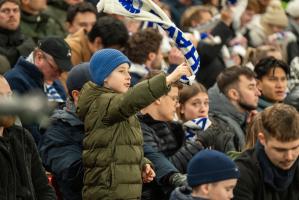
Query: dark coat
point(251, 185)
point(14, 44)
point(60, 148)
point(22, 176)
point(183, 193)
point(113, 145)
point(168, 139)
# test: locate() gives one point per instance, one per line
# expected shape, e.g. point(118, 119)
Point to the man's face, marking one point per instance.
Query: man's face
point(84, 20)
point(47, 66)
point(5, 94)
point(282, 154)
point(273, 85)
point(248, 93)
point(168, 104)
point(9, 16)
point(222, 190)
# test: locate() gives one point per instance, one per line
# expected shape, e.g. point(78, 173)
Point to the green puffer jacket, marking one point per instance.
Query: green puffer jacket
point(112, 148)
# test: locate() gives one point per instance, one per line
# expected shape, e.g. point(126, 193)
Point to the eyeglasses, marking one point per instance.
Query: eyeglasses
point(53, 67)
point(174, 98)
point(7, 11)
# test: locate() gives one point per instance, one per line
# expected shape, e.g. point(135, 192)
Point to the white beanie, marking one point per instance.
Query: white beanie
point(293, 8)
point(275, 14)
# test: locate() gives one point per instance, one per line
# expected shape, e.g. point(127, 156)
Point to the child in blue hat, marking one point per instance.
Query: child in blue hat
point(212, 176)
point(113, 146)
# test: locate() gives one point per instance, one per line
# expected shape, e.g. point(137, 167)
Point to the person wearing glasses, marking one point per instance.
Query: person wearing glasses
point(39, 71)
point(13, 43)
point(168, 138)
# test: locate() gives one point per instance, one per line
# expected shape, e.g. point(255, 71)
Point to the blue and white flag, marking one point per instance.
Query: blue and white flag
point(147, 10)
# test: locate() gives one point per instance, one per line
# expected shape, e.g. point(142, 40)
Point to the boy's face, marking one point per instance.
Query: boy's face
point(222, 190)
point(119, 80)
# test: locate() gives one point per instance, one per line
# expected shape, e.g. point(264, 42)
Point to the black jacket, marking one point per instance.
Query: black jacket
point(169, 139)
point(251, 185)
point(14, 44)
point(22, 176)
point(61, 151)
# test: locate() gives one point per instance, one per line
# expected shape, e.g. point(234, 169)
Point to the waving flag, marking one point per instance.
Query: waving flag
point(147, 10)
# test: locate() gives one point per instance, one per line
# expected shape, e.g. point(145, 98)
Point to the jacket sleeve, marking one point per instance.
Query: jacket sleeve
point(207, 51)
point(181, 158)
point(122, 106)
point(61, 154)
point(246, 186)
point(43, 191)
point(162, 166)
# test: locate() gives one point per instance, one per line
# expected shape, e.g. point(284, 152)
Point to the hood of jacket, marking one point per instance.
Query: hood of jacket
point(220, 105)
point(88, 95)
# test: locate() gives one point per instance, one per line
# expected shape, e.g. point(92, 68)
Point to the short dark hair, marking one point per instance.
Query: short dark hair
point(264, 66)
point(111, 30)
point(12, 1)
point(230, 76)
point(142, 43)
point(82, 7)
point(281, 122)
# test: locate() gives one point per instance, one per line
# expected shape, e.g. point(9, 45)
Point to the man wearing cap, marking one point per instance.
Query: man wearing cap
point(211, 175)
point(270, 170)
point(61, 145)
point(13, 43)
point(41, 67)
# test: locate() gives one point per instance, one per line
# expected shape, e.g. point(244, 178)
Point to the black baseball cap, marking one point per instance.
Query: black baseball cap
point(59, 50)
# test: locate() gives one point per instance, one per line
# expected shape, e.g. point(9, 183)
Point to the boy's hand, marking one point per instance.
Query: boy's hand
point(148, 174)
point(181, 70)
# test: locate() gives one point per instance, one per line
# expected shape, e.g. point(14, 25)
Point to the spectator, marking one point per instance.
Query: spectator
point(81, 15)
point(35, 23)
point(108, 32)
point(194, 105)
point(145, 53)
point(270, 169)
point(22, 175)
point(113, 154)
point(212, 175)
point(272, 76)
point(232, 100)
point(61, 145)
point(57, 10)
point(44, 65)
point(168, 138)
point(13, 43)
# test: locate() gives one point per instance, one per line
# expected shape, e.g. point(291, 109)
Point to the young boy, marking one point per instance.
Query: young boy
point(212, 176)
point(112, 148)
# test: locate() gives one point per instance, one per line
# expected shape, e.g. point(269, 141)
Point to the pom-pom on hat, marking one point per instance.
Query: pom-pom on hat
point(103, 62)
point(209, 166)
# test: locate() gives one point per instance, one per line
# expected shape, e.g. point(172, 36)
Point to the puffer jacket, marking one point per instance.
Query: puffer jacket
point(112, 148)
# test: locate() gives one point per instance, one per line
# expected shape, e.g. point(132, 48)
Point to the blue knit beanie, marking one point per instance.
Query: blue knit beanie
point(210, 166)
point(103, 62)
